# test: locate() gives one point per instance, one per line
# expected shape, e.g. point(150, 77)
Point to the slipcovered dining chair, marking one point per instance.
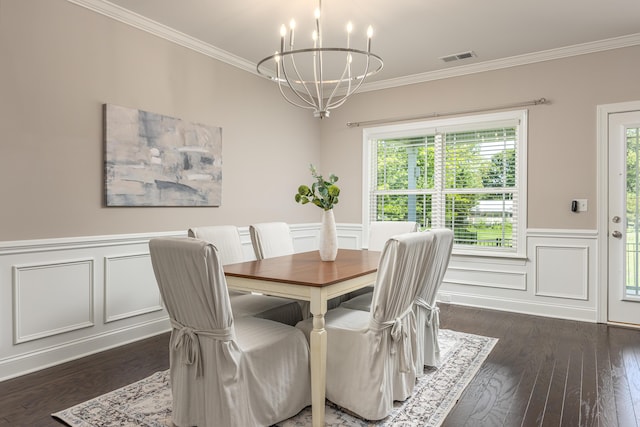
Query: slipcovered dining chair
point(226, 239)
point(271, 239)
point(224, 371)
point(379, 233)
point(371, 355)
point(427, 312)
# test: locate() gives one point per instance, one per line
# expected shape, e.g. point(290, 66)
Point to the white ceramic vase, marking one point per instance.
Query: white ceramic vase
point(328, 237)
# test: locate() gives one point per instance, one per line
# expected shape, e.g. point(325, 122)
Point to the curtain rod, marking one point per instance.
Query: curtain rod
point(539, 101)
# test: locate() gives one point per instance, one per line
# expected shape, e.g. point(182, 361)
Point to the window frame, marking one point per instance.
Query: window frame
point(400, 130)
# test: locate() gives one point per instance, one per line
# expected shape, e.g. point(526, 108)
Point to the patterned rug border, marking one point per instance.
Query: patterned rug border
point(463, 355)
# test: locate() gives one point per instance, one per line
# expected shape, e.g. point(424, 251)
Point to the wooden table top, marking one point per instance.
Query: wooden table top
point(306, 268)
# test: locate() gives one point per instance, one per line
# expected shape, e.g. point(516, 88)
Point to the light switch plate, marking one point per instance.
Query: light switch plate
point(582, 205)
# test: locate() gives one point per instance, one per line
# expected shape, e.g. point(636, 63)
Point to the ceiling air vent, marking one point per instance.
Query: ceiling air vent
point(458, 56)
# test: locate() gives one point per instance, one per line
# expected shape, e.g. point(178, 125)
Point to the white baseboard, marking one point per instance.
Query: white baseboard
point(534, 308)
point(54, 355)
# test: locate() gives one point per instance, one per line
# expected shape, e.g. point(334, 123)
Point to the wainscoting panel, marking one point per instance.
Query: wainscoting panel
point(487, 278)
point(130, 287)
point(52, 298)
point(61, 299)
point(305, 238)
point(557, 278)
point(349, 236)
point(562, 271)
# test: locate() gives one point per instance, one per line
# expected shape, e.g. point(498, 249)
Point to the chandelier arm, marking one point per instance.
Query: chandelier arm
point(310, 104)
point(279, 80)
point(286, 98)
point(326, 49)
point(347, 68)
point(304, 93)
point(364, 76)
point(300, 79)
point(281, 66)
point(355, 89)
point(320, 81)
point(316, 82)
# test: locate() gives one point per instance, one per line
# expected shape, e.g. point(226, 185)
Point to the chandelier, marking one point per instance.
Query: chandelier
point(319, 78)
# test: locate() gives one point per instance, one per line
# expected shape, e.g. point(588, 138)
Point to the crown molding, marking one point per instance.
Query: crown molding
point(140, 22)
point(513, 61)
point(135, 20)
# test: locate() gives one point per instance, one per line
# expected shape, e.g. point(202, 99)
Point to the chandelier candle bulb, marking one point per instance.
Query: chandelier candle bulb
point(317, 16)
point(292, 26)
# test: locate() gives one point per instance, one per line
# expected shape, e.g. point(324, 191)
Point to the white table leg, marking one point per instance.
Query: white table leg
point(318, 349)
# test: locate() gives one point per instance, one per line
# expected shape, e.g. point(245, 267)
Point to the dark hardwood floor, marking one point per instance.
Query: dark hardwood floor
point(542, 372)
point(548, 372)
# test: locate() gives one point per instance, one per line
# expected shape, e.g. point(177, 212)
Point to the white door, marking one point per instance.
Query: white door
point(624, 218)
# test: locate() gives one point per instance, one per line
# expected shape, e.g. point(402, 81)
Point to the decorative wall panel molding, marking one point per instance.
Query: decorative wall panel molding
point(52, 298)
point(562, 271)
point(130, 287)
point(487, 278)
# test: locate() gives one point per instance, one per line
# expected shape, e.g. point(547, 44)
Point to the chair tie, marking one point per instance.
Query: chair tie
point(399, 335)
point(433, 322)
point(187, 341)
point(433, 312)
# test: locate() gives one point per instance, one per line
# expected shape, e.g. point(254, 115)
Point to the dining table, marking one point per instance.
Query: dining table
point(304, 276)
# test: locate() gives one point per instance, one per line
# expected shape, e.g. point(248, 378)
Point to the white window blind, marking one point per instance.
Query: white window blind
point(465, 175)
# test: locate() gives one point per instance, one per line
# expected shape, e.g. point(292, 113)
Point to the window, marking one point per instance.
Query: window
point(467, 174)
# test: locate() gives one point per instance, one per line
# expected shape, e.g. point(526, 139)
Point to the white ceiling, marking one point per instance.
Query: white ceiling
point(410, 35)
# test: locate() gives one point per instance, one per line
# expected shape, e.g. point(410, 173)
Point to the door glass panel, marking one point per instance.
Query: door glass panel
point(632, 288)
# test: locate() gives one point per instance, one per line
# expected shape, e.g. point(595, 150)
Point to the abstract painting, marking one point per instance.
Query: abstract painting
point(156, 160)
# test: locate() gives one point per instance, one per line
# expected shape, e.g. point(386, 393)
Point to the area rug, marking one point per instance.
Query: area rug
point(148, 401)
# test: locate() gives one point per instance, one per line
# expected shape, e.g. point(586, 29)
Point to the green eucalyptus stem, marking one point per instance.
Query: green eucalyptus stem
point(323, 194)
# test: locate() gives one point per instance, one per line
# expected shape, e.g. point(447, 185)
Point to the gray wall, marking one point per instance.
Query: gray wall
point(60, 62)
point(562, 151)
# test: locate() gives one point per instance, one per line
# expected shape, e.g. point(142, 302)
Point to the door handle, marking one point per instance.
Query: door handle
point(616, 234)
